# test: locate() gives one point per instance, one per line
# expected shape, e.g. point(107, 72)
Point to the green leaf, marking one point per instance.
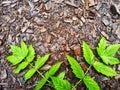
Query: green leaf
point(48, 74)
point(14, 59)
point(88, 54)
point(29, 58)
point(41, 61)
point(31, 54)
point(101, 68)
point(24, 49)
point(16, 50)
point(60, 84)
point(112, 49)
point(29, 74)
point(21, 66)
point(61, 75)
point(18, 53)
point(90, 83)
point(101, 46)
point(110, 60)
point(77, 70)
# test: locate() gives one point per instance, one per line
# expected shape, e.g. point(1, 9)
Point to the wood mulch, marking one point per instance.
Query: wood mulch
point(57, 27)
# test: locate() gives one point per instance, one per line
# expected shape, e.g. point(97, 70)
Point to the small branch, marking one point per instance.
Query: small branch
point(88, 69)
point(73, 88)
point(39, 72)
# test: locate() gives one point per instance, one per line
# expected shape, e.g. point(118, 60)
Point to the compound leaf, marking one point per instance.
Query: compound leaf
point(29, 74)
point(31, 54)
point(101, 68)
point(41, 61)
point(110, 60)
point(111, 50)
point(60, 84)
point(88, 54)
point(101, 46)
point(48, 74)
point(21, 66)
point(90, 83)
point(18, 54)
point(29, 58)
point(77, 70)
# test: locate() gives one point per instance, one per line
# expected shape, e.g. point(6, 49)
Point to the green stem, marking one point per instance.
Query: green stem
point(73, 88)
point(88, 69)
point(38, 72)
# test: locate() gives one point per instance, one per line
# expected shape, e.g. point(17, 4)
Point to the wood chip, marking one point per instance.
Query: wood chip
point(35, 0)
point(83, 1)
point(20, 10)
point(0, 42)
point(84, 66)
point(117, 32)
point(43, 30)
point(72, 32)
point(58, 1)
point(67, 48)
point(45, 67)
point(1, 36)
point(74, 18)
point(77, 50)
point(24, 29)
point(104, 34)
point(30, 31)
point(71, 3)
point(48, 38)
point(87, 4)
point(3, 74)
point(48, 5)
point(53, 34)
point(81, 23)
point(83, 19)
point(6, 2)
point(92, 2)
point(57, 24)
point(7, 18)
point(68, 20)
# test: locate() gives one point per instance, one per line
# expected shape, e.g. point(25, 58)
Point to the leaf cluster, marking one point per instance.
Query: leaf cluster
point(106, 54)
point(79, 73)
point(23, 57)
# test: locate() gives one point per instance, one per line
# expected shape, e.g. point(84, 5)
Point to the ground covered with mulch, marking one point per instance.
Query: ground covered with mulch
point(57, 27)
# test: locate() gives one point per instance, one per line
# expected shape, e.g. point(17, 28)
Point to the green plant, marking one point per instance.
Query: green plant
point(59, 83)
point(106, 54)
point(48, 74)
point(23, 57)
point(93, 61)
point(79, 73)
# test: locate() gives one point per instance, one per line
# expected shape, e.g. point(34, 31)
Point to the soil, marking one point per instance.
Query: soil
point(57, 27)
